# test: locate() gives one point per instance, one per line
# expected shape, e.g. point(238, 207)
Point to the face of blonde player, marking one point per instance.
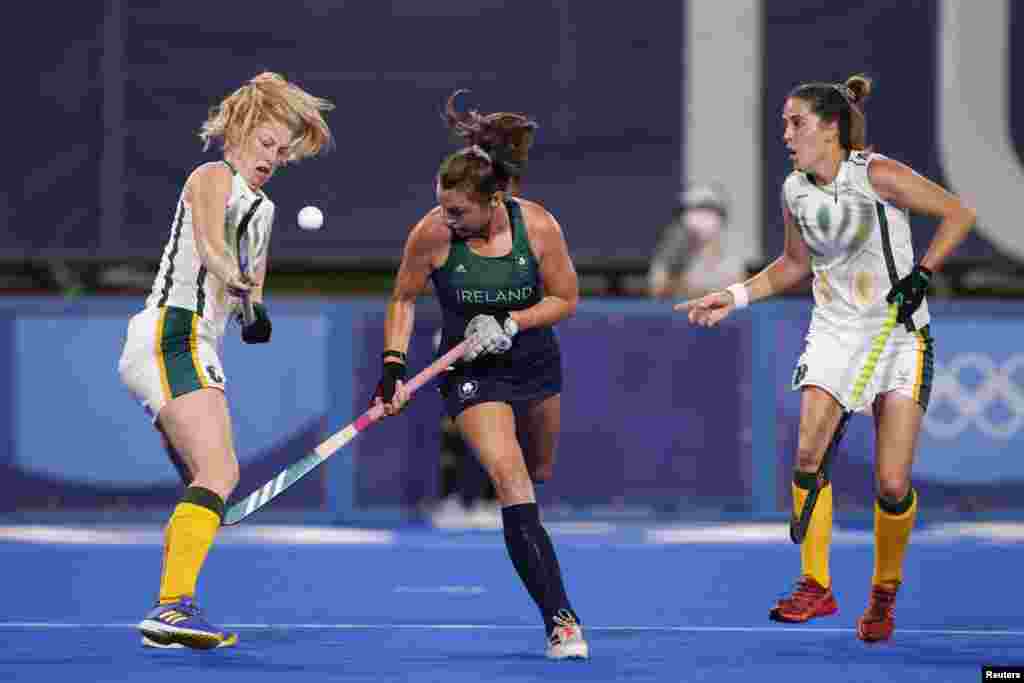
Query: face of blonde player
point(266, 149)
point(463, 214)
point(806, 136)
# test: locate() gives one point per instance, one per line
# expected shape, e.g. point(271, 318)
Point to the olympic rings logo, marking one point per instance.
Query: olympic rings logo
point(997, 386)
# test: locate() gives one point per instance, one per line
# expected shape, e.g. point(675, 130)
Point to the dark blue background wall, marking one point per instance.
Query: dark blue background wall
point(108, 112)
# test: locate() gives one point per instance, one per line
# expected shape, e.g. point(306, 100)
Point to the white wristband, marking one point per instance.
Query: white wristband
point(741, 299)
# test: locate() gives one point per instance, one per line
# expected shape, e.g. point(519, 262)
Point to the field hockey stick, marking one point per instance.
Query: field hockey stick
point(798, 525)
point(242, 249)
point(248, 311)
point(296, 471)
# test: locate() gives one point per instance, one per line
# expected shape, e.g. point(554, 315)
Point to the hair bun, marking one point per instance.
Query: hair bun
point(859, 88)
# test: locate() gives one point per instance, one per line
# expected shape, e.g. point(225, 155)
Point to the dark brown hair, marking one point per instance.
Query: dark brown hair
point(505, 136)
point(842, 102)
point(469, 170)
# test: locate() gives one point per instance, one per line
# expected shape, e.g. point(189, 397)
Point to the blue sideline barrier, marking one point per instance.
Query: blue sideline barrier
point(659, 418)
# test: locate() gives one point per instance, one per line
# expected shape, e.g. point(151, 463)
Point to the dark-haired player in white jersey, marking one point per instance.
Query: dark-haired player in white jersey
point(846, 219)
point(170, 359)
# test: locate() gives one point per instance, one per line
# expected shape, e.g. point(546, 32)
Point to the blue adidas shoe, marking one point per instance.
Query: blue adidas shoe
point(182, 624)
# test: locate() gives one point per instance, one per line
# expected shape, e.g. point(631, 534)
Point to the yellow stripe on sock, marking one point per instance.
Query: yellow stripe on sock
point(892, 535)
point(814, 551)
point(187, 540)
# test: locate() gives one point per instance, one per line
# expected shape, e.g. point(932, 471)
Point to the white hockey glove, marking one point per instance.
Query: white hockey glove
point(487, 335)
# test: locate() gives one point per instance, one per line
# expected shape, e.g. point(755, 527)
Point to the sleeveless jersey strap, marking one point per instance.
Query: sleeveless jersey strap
point(515, 214)
point(520, 240)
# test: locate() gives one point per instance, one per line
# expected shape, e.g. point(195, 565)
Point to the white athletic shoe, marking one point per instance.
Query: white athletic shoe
point(149, 642)
point(450, 514)
point(566, 639)
point(485, 515)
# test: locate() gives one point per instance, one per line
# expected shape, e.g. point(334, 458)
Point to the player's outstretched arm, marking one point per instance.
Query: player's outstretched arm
point(710, 309)
point(781, 274)
point(421, 249)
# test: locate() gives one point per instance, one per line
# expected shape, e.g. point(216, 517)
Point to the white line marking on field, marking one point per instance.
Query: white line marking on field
point(778, 533)
point(451, 590)
point(765, 533)
point(605, 534)
point(994, 531)
point(281, 534)
point(44, 625)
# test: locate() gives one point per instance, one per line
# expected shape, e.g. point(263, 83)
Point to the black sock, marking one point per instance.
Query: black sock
point(533, 556)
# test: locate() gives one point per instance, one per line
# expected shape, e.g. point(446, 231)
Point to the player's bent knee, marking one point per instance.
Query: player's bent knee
point(221, 478)
point(807, 459)
point(514, 490)
point(220, 487)
point(540, 462)
point(231, 477)
point(893, 489)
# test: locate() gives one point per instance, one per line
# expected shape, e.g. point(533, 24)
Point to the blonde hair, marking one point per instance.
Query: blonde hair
point(270, 97)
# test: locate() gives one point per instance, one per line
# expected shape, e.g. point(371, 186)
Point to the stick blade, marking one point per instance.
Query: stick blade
point(272, 489)
point(279, 484)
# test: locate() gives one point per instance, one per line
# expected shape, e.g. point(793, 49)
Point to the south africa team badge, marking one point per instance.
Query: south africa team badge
point(468, 389)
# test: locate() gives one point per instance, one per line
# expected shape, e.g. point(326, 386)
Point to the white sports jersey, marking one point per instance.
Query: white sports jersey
point(183, 281)
point(860, 247)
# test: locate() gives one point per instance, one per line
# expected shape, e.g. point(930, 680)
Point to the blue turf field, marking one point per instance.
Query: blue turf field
point(416, 604)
